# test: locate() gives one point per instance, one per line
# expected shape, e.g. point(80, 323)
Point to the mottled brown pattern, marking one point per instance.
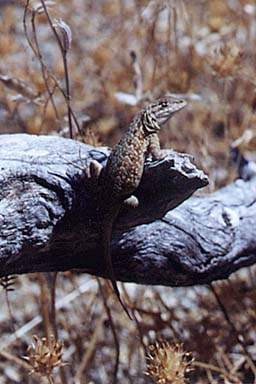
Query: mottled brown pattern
point(124, 168)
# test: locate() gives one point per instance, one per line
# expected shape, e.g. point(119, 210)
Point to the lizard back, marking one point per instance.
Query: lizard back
point(125, 165)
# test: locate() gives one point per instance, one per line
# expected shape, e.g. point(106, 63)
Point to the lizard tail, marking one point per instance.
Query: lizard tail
point(106, 244)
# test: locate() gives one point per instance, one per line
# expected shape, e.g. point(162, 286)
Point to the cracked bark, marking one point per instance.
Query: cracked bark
point(47, 210)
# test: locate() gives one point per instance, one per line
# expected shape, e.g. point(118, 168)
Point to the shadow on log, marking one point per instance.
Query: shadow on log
point(47, 217)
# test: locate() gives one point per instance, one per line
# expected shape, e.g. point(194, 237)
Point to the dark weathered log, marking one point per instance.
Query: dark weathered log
point(47, 210)
point(205, 239)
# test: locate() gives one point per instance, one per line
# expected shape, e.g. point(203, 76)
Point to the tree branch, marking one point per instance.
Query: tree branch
point(47, 217)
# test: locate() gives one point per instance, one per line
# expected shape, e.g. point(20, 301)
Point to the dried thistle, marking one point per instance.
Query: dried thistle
point(168, 363)
point(44, 356)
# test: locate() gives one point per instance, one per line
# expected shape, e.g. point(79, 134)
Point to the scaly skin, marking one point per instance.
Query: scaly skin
point(123, 171)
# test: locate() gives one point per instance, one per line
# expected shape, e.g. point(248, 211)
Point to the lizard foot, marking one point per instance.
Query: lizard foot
point(93, 170)
point(163, 153)
point(132, 202)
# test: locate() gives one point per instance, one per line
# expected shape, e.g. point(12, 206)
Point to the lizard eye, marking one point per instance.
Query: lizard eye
point(164, 104)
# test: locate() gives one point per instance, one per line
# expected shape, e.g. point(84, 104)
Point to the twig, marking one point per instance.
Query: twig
point(43, 71)
point(238, 335)
point(44, 306)
point(213, 368)
point(64, 51)
point(62, 303)
point(47, 70)
point(112, 326)
point(45, 107)
point(137, 321)
point(38, 55)
point(53, 278)
point(90, 349)
point(22, 364)
point(9, 311)
point(68, 93)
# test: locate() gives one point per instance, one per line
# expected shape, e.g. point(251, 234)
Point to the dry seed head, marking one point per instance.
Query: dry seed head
point(168, 363)
point(44, 356)
point(65, 32)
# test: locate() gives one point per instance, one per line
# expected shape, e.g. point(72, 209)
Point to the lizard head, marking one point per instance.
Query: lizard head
point(164, 108)
point(158, 112)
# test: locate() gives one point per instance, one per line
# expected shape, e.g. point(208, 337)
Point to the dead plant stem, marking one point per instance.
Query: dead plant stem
point(238, 335)
point(65, 65)
point(113, 329)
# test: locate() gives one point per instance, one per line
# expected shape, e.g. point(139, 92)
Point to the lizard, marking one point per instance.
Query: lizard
point(123, 171)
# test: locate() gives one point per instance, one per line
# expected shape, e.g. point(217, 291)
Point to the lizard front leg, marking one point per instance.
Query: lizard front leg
point(154, 148)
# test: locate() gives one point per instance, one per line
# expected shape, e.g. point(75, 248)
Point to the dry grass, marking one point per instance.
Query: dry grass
point(204, 50)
